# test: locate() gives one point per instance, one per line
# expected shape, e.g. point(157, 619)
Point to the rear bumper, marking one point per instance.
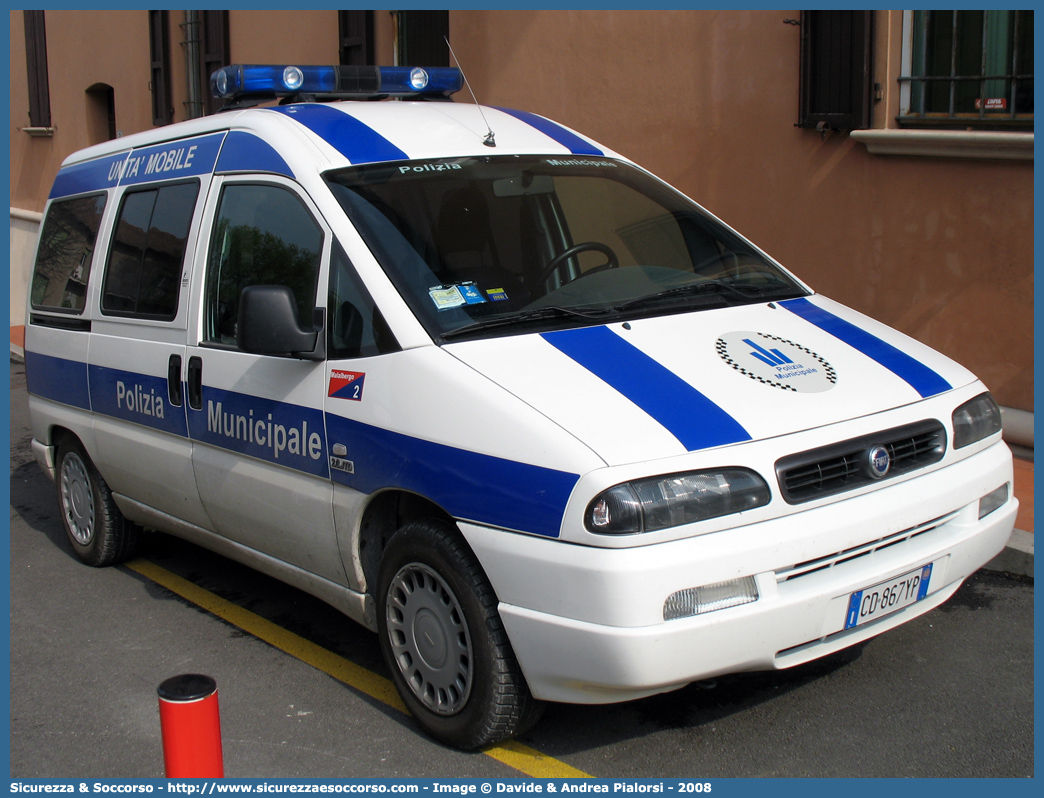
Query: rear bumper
point(586, 624)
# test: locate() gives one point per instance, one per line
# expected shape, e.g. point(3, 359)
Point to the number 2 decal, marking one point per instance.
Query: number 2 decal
point(347, 385)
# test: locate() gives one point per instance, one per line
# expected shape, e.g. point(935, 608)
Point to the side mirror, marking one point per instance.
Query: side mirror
point(268, 324)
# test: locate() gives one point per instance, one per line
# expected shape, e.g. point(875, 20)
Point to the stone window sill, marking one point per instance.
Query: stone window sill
point(948, 143)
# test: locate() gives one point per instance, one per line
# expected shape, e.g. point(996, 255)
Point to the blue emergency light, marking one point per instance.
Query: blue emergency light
point(241, 81)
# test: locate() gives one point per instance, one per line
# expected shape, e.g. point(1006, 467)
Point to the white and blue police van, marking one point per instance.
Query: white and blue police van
point(543, 423)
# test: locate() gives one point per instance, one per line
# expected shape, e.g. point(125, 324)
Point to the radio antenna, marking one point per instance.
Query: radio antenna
point(490, 139)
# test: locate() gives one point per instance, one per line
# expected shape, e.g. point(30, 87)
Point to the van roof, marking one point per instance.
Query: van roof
point(353, 132)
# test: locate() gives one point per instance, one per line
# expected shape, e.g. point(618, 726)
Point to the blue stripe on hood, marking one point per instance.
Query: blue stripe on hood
point(686, 413)
point(923, 380)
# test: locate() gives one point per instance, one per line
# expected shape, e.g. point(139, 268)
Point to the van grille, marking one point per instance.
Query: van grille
point(810, 475)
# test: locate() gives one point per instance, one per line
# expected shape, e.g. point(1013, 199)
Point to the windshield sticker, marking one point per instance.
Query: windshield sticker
point(496, 294)
point(453, 296)
point(346, 384)
point(777, 362)
point(471, 294)
point(446, 297)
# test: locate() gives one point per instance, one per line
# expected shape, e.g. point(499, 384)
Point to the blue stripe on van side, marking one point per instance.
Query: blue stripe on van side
point(566, 138)
point(57, 379)
point(356, 141)
point(277, 432)
point(88, 176)
point(172, 159)
point(138, 398)
point(923, 380)
point(470, 486)
point(245, 152)
point(167, 161)
point(696, 421)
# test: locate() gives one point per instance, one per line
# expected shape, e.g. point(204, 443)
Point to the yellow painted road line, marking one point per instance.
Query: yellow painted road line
point(532, 762)
point(511, 753)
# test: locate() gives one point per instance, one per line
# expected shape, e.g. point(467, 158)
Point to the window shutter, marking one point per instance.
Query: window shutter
point(420, 38)
point(159, 48)
point(356, 37)
point(214, 52)
point(36, 63)
point(836, 69)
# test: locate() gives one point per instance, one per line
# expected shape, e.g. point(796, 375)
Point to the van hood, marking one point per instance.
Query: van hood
point(659, 387)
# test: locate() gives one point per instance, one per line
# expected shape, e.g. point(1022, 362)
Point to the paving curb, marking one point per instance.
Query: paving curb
point(1017, 557)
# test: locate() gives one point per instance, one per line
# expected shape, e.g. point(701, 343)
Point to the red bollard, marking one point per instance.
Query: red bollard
point(191, 726)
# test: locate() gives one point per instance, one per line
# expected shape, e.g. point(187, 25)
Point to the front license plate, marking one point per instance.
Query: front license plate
point(874, 602)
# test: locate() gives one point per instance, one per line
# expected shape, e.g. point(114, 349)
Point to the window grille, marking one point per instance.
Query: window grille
point(968, 68)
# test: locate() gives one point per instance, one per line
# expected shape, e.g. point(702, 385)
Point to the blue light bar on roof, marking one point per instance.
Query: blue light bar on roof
point(242, 80)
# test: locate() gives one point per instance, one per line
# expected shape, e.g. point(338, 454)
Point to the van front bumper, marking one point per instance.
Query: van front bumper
point(586, 624)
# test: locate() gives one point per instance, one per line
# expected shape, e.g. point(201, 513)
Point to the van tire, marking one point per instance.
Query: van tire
point(97, 530)
point(469, 691)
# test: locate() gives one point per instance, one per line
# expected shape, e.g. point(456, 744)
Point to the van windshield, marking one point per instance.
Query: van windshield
point(509, 244)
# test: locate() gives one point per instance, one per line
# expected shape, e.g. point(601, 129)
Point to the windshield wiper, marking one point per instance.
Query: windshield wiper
point(535, 314)
point(744, 291)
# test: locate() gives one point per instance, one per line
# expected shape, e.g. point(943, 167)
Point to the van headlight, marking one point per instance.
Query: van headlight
point(975, 420)
point(648, 505)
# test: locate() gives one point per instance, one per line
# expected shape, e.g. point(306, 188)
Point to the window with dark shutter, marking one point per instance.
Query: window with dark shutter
point(836, 69)
point(356, 37)
point(213, 53)
point(36, 64)
point(159, 49)
point(421, 38)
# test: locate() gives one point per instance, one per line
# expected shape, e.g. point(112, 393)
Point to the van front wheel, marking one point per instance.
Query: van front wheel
point(444, 642)
point(97, 530)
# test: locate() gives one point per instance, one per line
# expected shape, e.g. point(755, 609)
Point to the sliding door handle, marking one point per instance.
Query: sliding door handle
point(195, 383)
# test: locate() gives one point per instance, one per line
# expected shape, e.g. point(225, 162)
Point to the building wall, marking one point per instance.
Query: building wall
point(76, 62)
point(940, 248)
point(283, 37)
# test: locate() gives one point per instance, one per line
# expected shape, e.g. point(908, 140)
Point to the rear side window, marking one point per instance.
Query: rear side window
point(263, 235)
point(63, 260)
point(143, 277)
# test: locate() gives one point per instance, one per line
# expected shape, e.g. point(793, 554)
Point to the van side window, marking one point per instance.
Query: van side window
point(357, 328)
point(63, 260)
point(263, 235)
point(143, 278)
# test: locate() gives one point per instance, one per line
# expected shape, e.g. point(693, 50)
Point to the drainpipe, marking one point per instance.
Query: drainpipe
point(190, 43)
